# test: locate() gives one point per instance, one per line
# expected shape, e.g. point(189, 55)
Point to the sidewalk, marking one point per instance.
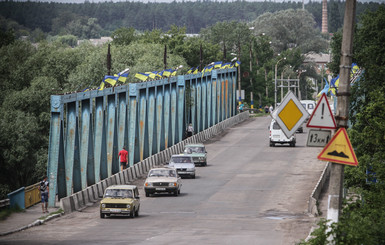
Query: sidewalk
point(29, 217)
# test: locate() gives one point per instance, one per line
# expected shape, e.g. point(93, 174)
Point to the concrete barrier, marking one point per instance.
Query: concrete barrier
point(86, 197)
point(99, 187)
point(129, 174)
point(313, 199)
point(67, 204)
point(78, 201)
point(121, 177)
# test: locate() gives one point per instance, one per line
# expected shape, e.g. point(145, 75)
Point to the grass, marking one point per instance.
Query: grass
point(8, 211)
point(59, 211)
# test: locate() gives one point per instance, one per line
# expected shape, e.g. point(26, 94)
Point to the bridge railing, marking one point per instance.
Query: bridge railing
point(89, 128)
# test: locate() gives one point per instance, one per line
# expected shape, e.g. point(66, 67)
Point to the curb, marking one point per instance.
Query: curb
point(35, 223)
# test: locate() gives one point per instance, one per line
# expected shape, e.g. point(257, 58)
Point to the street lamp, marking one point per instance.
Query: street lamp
point(275, 82)
point(299, 74)
point(239, 80)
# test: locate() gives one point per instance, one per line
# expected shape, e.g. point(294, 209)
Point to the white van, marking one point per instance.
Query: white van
point(277, 136)
point(309, 105)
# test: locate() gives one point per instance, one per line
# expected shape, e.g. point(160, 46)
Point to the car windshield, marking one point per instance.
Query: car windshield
point(162, 173)
point(197, 149)
point(181, 159)
point(118, 193)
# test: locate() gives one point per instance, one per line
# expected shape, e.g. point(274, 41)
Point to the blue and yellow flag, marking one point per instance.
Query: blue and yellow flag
point(111, 79)
point(217, 64)
point(325, 90)
point(101, 86)
point(122, 77)
point(226, 65)
point(334, 85)
point(141, 76)
point(237, 63)
point(167, 72)
point(191, 70)
point(196, 70)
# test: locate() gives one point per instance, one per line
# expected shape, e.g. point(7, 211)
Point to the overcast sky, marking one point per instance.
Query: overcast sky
point(96, 1)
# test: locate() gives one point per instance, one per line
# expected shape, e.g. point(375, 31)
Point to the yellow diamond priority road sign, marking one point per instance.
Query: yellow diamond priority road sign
point(290, 114)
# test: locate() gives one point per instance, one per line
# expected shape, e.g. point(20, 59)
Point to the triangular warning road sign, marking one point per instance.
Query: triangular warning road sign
point(339, 150)
point(322, 116)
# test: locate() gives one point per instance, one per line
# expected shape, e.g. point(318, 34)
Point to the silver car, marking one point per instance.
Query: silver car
point(184, 165)
point(161, 180)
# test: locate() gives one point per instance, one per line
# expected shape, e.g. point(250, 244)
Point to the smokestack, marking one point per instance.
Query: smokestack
point(324, 17)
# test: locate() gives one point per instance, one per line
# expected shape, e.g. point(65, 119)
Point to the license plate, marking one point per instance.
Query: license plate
point(160, 189)
point(115, 210)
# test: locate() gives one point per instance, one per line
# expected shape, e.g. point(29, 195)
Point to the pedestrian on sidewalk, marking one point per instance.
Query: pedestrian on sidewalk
point(190, 130)
point(44, 192)
point(123, 158)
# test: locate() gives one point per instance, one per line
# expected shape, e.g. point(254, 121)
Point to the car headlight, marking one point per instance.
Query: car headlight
point(128, 205)
point(103, 205)
point(147, 184)
point(172, 184)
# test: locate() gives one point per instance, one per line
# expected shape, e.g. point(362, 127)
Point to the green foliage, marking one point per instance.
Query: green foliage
point(123, 36)
point(60, 18)
point(363, 217)
point(291, 28)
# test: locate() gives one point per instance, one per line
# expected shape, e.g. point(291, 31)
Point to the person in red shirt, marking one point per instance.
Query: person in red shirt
point(123, 158)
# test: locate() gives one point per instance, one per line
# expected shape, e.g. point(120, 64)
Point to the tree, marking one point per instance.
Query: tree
point(123, 36)
point(291, 28)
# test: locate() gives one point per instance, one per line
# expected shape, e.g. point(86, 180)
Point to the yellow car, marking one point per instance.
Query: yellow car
point(120, 200)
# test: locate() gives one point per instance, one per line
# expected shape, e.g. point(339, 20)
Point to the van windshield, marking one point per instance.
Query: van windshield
point(276, 126)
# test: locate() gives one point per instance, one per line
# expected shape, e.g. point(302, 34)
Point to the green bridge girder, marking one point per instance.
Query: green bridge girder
point(89, 128)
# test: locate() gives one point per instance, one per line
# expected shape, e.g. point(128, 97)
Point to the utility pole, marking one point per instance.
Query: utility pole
point(337, 170)
point(108, 61)
point(251, 80)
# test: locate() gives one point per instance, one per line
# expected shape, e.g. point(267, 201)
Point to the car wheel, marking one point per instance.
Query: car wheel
point(193, 176)
point(179, 191)
point(132, 214)
point(176, 193)
point(205, 164)
point(137, 212)
point(147, 194)
point(101, 215)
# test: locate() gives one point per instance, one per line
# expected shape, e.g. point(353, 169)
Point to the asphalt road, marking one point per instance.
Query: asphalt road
point(249, 193)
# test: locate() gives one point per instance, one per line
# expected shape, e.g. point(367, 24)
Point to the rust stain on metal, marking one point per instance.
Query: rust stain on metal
point(82, 169)
point(67, 178)
point(72, 132)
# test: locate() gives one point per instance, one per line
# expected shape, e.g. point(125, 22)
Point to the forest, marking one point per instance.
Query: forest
point(40, 56)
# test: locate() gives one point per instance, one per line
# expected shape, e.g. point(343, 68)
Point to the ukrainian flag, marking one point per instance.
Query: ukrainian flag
point(196, 70)
point(218, 64)
point(237, 63)
point(191, 70)
point(111, 79)
point(151, 75)
point(226, 65)
point(101, 86)
point(122, 77)
point(325, 90)
point(167, 72)
point(334, 85)
point(141, 76)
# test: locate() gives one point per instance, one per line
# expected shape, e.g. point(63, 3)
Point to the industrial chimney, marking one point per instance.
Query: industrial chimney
point(324, 17)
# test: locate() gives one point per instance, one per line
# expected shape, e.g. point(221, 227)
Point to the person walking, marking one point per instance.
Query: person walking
point(123, 158)
point(44, 192)
point(190, 130)
point(271, 109)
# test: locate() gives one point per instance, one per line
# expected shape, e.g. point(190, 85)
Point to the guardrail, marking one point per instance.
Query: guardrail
point(4, 203)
